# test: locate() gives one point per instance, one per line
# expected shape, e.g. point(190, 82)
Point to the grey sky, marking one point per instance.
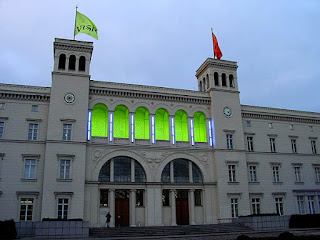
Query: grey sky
point(163, 42)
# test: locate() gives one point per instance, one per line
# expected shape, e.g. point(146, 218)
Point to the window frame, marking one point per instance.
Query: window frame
point(276, 173)
point(142, 198)
point(65, 137)
point(313, 146)
point(63, 204)
point(250, 143)
point(26, 212)
point(2, 128)
point(255, 205)
point(229, 138)
point(35, 108)
point(311, 204)
point(234, 207)
point(36, 159)
point(232, 172)
point(34, 131)
point(253, 179)
point(317, 173)
point(272, 141)
point(65, 157)
point(293, 142)
point(297, 173)
point(300, 204)
point(279, 205)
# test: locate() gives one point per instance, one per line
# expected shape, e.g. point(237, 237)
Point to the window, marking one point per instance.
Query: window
point(63, 208)
point(229, 141)
point(294, 145)
point(232, 172)
point(122, 169)
point(300, 203)
point(200, 127)
point(72, 62)
point(181, 170)
point(297, 173)
point(224, 80)
point(165, 198)
point(231, 82)
point(141, 123)
point(64, 169)
point(165, 177)
point(270, 125)
point(317, 173)
point(250, 143)
point(216, 79)
point(276, 176)
point(26, 209)
point(311, 204)
point(248, 123)
point(279, 205)
point(162, 124)
point(139, 173)
point(35, 108)
point(1, 129)
point(82, 63)
point(234, 207)
point(33, 131)
point(100, 120)
point(255, 204)
point(197, 197)
point(181, 126)
point(196, 174)
point(313, 147)
point(104, 198)
point(67, 131)
point(311, 128)
point(30, 169)
point(291, 127)
point(139, 198)
point(62, 61)
point(253, 173)
point(272, 144)
point(2, 106)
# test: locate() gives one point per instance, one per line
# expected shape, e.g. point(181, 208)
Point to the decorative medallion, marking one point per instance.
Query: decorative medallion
point(69, 98)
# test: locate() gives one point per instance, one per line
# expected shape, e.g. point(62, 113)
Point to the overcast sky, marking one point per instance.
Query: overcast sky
point(163, 42)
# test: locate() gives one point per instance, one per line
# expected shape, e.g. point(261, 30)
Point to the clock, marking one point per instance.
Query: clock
point(69, 98)
point(227, 111)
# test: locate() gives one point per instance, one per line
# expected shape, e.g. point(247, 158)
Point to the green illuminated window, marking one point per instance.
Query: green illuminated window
point(121, 122)
point(200, 130)
point(100, 120)
point(181, 123)
point(142, 123)
point(162, 124)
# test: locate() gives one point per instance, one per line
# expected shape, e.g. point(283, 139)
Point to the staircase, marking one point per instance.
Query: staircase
point(135, 232)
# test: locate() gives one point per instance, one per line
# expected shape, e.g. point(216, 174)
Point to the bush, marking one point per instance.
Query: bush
point(286, 236)
point(58, 219)
point(243, 237)
point(305, 221)
point(8, 229)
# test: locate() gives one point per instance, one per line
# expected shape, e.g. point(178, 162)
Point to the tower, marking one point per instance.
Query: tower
point(64, 170)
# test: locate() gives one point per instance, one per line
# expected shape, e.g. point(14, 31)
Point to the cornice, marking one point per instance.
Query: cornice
point(25, 88)
point(273, 117)
point(25, 96)
point(72, 45)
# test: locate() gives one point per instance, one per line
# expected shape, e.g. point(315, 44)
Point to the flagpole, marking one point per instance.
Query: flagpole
point(214, 57)
point(75, 23)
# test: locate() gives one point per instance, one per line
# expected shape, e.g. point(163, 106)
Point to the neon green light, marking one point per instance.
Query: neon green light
point(181, 123)
point(121, 122)
point(100, 120)
point(200, 129)
point(142, 123)
point(162, 124)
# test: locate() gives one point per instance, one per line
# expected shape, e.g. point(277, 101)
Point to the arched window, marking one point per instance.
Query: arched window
point(82, 63)
point(224, 80)
point(72, 62)
point(231, 82)
point(200, 86)
point(122, 170)
point(200, 130)
point(204, 84)
point(208, 82)
point(181, 126)
point(142, 123)
point(62, 61)
point(216, 79)
point(100, 120)
point(162, 124)
point(121, 122)
point(182, 172)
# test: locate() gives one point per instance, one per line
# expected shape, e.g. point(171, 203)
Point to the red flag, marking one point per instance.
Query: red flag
point(216, 49)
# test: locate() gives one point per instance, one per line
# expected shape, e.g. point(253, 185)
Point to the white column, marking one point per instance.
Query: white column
point(112, 207)
point(192, 212)
point(173, 207)
point(132, 208)
point(111, 170)
point(132, 171)
point(171, 172)
point(190, 172)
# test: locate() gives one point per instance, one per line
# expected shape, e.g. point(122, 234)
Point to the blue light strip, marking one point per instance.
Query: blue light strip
point(213, 133)
point(210, 133)
point(132, 128)
point(89, 125)
point(153, 138)
point(192, 132)
point(173, 131)
point(111, 128)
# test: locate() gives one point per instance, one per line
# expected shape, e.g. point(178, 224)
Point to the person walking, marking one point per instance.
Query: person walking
point(108, 216)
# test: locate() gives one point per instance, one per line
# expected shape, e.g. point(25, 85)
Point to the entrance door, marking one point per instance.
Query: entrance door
point(122, 208)
point(182, 208)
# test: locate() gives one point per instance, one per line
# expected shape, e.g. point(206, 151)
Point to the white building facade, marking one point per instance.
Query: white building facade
point(150, 156)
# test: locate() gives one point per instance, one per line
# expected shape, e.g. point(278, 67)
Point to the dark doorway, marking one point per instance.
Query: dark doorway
point(182, 208)
point(122, 208)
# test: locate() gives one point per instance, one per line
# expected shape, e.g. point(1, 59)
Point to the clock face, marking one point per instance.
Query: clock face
point(227, 111)
point(69, 98)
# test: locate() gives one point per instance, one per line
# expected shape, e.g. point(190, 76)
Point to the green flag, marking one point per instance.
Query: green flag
point(85, 25)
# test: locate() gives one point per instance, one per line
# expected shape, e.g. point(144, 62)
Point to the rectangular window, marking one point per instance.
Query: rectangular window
point(30, 169)
point(279, 205)
point(272, 144)
point(197, 197)
point(311, 204)
point(255, 203)
point(1, 129)
point(297, 173)
point(229, 141)
point(64, 169)
point(248, 123)
point(250, 143)
point(35, 108)
point(300, 202)
point(63, 208)
point(294, 145)
point(2, 106)
point(139, 198)
point(317, 173)
point(67, 130)
point(291, 127)
point(313, 147)
point(165, 198)
point(26, 209)
point(253, 173)
point(232, 173)
point(33, 131)
point(276, 176)
point(270, 125)
point(234, 207)
point(104, 198)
